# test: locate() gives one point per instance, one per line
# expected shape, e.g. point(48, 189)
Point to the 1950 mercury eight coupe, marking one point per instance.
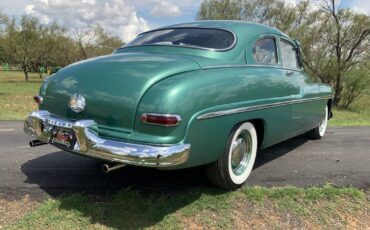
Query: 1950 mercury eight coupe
point(203, 93)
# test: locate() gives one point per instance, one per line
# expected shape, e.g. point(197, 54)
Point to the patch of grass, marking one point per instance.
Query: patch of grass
point(313, 193)
point(357, 115)
point(350, 118)
point(14, 209)
point(16, 95)
point(212, 207)
point(250, 207)
point(322, 203)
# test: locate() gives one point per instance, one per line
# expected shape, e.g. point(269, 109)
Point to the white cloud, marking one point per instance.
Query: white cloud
point(116, 16)
point(358, 6)
point(119, 17)
point(29, 9)
point(180, 3)
point(362, 7)
point(165, 9)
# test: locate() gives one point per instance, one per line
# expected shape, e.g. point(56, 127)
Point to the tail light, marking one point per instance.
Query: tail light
point(38, 99)
point(161, 119)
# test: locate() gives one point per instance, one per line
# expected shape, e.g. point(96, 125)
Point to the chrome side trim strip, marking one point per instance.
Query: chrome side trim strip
point(257, 107)
point(275, 66)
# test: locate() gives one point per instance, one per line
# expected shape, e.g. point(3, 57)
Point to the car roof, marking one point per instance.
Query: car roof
point(237, 27)
point(246, 34)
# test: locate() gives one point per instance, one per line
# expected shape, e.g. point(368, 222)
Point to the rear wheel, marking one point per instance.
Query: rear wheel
point(234, 167)
point(319, 131)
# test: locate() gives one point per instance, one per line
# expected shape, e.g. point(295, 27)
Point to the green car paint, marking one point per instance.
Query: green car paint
point(212, 91)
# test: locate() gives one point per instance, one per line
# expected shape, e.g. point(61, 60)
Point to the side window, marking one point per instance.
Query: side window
point(264, 51)
point(288, 55)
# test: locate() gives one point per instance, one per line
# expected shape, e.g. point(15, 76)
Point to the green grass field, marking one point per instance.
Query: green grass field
point(350, 118)
point(204, 208)
point(16, 95)
point(16, 101)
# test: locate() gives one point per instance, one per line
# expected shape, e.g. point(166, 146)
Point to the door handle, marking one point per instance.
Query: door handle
point(289, 73)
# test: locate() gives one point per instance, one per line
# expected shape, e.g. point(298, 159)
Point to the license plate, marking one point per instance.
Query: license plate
point(64, 138)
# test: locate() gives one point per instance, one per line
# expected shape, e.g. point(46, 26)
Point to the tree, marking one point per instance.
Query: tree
point(105, 44)
point(220, 10)
point(22, 43)
point(356, 82)
point(65, 52)
point(46, 50)
point(94, 41)
point(334, 40)
point(344, 44)
point(3, 18)
point(85, 37)
point(269, 12)
point(31, 44)
point(3, 21)
point(19, 44)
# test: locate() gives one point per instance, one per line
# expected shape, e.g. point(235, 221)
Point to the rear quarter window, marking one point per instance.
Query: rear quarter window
point(264, 51)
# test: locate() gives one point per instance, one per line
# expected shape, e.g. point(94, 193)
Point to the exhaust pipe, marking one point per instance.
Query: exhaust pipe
point(35, 143)
point(108, 168)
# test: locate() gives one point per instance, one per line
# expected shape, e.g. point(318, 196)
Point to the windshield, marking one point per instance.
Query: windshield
point(202, 38)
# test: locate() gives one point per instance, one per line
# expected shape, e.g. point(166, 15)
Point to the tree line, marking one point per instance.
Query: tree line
point(335, 41)
point(30, 44)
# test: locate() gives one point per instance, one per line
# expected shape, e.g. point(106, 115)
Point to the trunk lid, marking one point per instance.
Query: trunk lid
point(111, 85)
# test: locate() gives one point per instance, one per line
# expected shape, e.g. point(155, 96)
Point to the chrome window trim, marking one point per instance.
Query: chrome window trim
point(257, 107)
point(192, 47)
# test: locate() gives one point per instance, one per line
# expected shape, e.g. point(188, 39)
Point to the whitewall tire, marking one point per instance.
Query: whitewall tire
point(234, 167)
point(319, 131)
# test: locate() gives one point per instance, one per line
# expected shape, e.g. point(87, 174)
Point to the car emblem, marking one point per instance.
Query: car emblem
point(77, 103)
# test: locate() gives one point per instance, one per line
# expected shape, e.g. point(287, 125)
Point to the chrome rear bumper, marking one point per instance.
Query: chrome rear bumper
point(40, 123)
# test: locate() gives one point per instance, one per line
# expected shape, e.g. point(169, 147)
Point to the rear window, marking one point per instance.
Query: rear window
point(202, 38)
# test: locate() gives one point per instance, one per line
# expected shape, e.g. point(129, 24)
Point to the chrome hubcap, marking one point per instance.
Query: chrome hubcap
point(241, 152)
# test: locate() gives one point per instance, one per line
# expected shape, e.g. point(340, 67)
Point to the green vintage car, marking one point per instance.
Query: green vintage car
point(203, 93)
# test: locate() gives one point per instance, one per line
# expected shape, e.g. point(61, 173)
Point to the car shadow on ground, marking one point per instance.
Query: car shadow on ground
point(60, 173)
point(271, 153)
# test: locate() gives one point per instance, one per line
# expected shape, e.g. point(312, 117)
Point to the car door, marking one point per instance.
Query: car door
point(274, 88)
point(303, 91)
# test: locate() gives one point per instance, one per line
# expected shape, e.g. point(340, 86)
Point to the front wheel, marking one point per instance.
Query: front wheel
point(319, 131)
point(235, 165)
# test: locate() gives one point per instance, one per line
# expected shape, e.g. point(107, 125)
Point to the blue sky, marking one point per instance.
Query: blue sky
point(124, 18)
